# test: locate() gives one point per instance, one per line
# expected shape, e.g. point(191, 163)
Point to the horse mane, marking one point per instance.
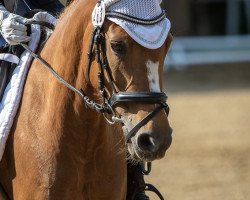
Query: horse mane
point(67, 55)
point(66, 50)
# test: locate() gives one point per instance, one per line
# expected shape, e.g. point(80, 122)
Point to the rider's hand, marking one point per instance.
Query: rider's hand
point(12, 28)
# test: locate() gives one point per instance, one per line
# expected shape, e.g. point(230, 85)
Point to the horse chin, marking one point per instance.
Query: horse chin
point(137, 155)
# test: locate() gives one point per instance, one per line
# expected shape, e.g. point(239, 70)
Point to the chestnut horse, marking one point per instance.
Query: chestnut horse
point(58, 148)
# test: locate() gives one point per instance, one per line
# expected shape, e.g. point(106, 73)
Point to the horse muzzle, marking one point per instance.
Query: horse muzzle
point(148, 147)
point(145, 142)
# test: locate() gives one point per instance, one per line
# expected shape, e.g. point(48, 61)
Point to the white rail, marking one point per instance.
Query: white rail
point(186, 51)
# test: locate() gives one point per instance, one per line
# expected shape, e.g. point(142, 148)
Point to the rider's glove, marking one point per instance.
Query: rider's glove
point(44, 17)
point(12, 27)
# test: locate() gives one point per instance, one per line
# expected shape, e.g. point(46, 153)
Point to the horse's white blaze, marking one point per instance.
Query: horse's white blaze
point(153, 76)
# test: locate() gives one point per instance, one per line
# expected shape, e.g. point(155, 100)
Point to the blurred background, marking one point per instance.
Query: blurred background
point(207, 78)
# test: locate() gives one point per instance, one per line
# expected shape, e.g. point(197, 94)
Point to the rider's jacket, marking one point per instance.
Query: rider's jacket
point(52, 6)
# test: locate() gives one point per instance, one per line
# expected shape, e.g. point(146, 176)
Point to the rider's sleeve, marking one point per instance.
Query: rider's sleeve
point(52, 6)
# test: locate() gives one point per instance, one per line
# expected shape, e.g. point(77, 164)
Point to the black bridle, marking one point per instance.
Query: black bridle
point(97, 48)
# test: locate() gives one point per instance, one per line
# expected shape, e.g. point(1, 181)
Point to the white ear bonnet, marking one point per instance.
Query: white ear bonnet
point(149, 36)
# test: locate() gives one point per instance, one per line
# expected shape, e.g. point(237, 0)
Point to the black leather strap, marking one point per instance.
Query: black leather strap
point(144, 121)
point(146, 97)
point(152, 188)
point(4, 73)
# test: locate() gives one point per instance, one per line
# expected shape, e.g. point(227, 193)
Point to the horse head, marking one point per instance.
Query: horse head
point(132, 79)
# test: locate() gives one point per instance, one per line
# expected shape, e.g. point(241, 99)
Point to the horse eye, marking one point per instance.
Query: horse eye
point(118, 47)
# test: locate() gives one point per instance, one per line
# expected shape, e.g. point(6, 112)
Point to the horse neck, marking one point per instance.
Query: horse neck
point(66, 51)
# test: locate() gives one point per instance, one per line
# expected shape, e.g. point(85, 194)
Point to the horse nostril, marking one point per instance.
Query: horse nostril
point(146, 142)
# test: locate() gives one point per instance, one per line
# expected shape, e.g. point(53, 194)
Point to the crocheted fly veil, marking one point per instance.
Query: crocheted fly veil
point(150, 36)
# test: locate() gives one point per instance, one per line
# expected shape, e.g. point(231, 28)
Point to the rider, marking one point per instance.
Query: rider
point(12, 26)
